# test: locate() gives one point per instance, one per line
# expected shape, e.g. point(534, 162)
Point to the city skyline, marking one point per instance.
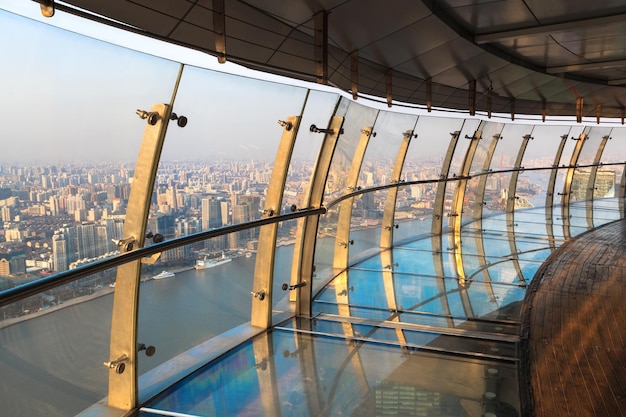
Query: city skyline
point(79, 210)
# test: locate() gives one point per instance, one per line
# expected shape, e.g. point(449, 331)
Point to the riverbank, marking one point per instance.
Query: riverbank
point(100, 292)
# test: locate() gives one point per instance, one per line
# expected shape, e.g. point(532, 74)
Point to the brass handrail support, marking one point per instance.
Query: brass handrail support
point(264, 267)
point(341, 255)
point(123, 385)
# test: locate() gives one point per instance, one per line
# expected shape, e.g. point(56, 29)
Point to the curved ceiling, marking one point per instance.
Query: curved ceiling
point(507, 56)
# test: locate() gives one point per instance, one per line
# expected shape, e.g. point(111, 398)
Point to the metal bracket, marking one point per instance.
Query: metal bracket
point(181, 121)
point(119, 364)
point(259, 294)
point(150, 350)
point(315, 129)
point(126, 244)
point(287, 125)
point(286, 286)
point(152, 117)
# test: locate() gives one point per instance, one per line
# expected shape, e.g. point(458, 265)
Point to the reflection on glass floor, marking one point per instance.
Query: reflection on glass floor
point(423, 329)
point(285, 373)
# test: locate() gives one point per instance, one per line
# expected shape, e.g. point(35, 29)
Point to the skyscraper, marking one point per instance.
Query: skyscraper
point(211, 214)
point(60, 258)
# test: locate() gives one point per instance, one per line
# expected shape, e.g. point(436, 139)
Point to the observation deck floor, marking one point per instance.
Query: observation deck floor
point(575, 314)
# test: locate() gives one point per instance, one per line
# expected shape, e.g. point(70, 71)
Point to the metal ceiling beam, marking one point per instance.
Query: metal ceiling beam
point(620, 81)
point(321, 46)
point(219, 28)
point(47, 8)
point(354, 74)
point(548, 29)
point(591, 66)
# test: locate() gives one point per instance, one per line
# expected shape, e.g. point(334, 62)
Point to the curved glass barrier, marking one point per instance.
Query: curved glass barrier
point(333, 244)
point(216, 170)
point(615, 152)
point(53, 346)
point(425, 160)
point(588, 154)
point(318, 110)
point(568, 157)
point(498, 187)
point(184, 301)
point(373, 213)
point(65, 179)
point(459, 162)
point(423, 278)
point(474, 193)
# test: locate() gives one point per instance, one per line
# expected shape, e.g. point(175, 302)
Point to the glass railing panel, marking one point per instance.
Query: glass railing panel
point(578, 221)
point(490, 131)
point(318, 110)
point(66, 176)
point(193, 293)
point(498, 248)
point(472, 206)
point(52, 347)
point(382, 157)
point(497, 184)
point(580, 180)
point(424, 161)
point(533, 185)
point(216, 170)
point(382, 150)
point(357, 117)
point(511, 271)
point(605, 210)
point(283, 259)
point(592, 142)
point(606, 181)
point(456, 168)
point(614, 152)
point(424, 243)
point(495, 301)
point(566, 159)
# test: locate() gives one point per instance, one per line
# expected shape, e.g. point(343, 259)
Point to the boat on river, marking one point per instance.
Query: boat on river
point(206, 262)
point(164, 274)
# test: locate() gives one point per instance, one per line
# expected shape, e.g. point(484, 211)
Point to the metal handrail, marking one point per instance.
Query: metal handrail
point(358, 192)
point(32, 288)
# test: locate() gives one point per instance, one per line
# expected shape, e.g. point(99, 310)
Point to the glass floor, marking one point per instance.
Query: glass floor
point(411, 331)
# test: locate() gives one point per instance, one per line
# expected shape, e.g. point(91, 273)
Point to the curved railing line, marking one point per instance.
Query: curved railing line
point(361, 191)
point(23, 291)
point(32, 288)
point(355, 193)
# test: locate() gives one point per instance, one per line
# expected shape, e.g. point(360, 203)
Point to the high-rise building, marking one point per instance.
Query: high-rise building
point(211, 214)
point(13, 263)
point(86, 240)
point(60, 254)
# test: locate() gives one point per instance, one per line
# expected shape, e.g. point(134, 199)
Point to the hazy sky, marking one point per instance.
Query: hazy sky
point(67, 97)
